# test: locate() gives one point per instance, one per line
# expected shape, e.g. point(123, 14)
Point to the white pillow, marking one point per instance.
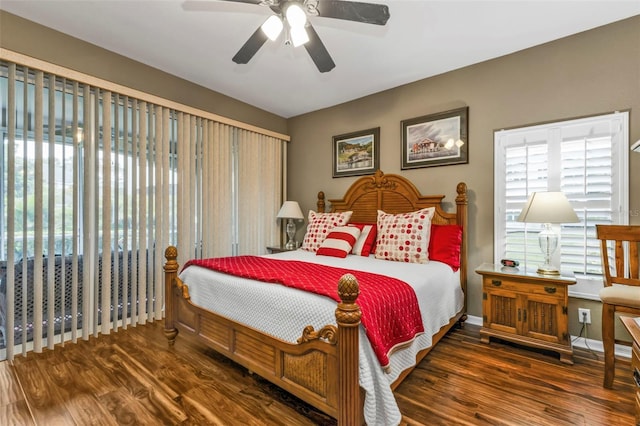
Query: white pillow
point(320, 224)
point(404, 237)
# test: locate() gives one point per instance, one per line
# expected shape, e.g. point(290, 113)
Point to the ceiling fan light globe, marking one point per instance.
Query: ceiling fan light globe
point(299, 36)
point(296, 17)
point(272, 27)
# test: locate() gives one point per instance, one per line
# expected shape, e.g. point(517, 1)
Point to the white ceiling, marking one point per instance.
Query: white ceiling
point(421, 39)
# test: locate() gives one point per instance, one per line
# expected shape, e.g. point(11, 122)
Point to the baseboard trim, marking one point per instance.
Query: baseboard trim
point(580, 342)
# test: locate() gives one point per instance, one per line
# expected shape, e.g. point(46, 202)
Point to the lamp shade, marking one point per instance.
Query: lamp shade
point(290, 210)
point(548, 207)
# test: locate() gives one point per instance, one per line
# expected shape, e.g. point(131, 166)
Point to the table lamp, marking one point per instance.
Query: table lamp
point(290, 210)
point(548, 208)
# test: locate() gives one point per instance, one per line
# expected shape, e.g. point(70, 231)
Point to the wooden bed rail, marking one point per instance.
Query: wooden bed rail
point(322, 369)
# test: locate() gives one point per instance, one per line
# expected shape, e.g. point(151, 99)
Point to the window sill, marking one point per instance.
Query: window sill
point(586, 289)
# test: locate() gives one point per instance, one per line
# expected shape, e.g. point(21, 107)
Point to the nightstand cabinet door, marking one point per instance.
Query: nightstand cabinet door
point(500, 310)
point(544, 319)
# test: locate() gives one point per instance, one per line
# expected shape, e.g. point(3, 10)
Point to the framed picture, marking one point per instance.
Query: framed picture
point(436, 140)
point(356, 153)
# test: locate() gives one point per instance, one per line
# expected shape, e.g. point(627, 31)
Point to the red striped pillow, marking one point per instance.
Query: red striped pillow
point(367, 239)
point(339, 242)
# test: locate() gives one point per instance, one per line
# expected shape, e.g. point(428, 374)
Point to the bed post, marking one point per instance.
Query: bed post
point(348, 319)
point(461, 213)
point(170, 274)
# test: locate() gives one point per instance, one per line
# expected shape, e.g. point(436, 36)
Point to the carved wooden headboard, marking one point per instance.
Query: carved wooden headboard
point(395, 194)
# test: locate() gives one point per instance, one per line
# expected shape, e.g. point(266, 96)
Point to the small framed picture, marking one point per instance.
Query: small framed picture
point(356, 153)
point(436, 140)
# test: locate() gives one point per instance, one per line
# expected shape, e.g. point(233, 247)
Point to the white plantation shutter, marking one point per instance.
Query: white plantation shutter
point(586, 159)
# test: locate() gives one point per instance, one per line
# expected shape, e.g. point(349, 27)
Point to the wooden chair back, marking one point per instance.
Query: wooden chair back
point(625, 240)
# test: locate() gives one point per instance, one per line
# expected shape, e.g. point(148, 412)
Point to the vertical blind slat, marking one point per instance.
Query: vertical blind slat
point(25, 225)
point(134, 212)
point(126, 212)
point(114, 184)
point(142, 238)
point(63, 248)
point(11, 206)
point(88, 219)
point(38, 251)
point(105, 198)
point(51, 260)
point(75, 129)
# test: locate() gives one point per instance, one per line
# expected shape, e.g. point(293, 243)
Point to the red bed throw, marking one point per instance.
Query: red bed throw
point(390, 311)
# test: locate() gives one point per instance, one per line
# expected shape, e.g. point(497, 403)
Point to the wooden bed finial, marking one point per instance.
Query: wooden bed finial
point(320, 203)
point(171, 253)
point(461, 189)
point(348, 313)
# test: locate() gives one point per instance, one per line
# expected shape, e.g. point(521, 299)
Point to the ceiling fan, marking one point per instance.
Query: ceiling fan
point(290, 16)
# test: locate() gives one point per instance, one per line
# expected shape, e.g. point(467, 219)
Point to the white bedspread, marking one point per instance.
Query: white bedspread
point(261, 306)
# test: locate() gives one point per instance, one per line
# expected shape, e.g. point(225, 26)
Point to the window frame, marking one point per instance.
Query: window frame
point(588, 285)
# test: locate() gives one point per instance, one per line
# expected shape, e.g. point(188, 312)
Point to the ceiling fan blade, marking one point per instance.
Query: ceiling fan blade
point(317, 51)
point(250, 47)
point(368, 13)
point(208, 5)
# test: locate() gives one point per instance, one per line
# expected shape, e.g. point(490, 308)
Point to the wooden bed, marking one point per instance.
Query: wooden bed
point(322, 369)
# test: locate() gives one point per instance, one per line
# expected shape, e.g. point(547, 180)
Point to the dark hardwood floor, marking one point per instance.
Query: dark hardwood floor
point(133, 378)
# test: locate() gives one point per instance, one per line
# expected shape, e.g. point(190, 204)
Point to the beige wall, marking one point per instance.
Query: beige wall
point(43, 43)
point(593, 72)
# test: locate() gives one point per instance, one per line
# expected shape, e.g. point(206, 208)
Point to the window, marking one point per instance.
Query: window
point(586, 159)
point(95, 184)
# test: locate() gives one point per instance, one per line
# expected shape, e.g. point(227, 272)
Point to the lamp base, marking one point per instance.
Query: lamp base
point(548, 270)
point(291, 233)
point(291, 245)
point(548, 240)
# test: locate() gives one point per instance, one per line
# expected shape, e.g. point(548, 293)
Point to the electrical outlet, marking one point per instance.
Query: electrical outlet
point(584, 315)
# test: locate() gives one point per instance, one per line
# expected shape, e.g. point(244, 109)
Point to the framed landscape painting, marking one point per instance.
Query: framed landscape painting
point(436, 140)
point(356, 153)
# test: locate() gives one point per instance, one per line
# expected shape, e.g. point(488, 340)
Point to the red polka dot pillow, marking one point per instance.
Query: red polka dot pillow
point(404, 237)
point(320, 224)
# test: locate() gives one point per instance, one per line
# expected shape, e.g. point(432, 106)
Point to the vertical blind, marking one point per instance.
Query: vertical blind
point(95, 185)
point(586, 159)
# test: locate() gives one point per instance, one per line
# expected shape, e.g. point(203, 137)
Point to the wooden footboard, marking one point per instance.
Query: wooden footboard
point(322, 369)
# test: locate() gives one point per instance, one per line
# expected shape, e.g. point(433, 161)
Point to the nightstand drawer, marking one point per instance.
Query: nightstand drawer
point(546, 289)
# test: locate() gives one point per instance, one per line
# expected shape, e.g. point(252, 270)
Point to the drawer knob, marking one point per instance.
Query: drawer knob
point(550, 290)
point(496, 283)
point(636, 377)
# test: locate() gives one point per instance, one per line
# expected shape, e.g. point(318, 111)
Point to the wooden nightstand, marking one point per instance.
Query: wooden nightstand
point(633, 328)
point(278, 249)
point(526, 308)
